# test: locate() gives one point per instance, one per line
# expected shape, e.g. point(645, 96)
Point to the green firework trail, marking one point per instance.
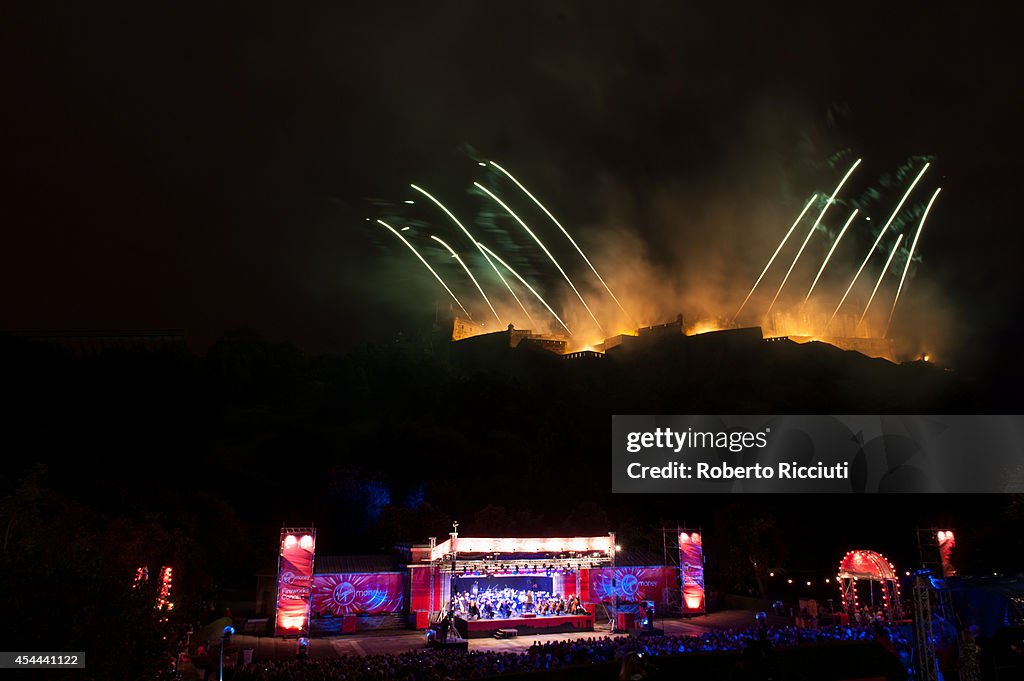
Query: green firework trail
point(425, 264)
point(543, 248)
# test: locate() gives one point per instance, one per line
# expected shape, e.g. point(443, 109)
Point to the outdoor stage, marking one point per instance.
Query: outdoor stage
point(525, 626)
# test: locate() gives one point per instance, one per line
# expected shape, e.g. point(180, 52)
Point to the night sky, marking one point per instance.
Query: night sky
point(179, 165)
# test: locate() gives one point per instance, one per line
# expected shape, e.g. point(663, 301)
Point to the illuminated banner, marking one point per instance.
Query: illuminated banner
point(691, 567)
point(294, 581)
point(632, 584)
point(358, 593)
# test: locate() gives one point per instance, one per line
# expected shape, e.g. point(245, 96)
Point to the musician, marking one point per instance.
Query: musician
point(446, 624)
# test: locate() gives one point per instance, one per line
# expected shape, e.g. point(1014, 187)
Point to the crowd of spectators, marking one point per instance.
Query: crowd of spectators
point(440, 665)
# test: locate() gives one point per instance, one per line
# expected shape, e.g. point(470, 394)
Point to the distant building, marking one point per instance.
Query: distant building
point(614, 342)
point(584, 355)
point(673, 328)
point(510, 338)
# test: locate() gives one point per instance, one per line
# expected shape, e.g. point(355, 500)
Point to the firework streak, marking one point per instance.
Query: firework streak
point(529, 288)
point(466, 232)
point(475, 282)
point(567, 236)
point(782, 243)
point(814, 227)
point(543, 248)
point(910, 257)
point(425, 264)
point(877, 241)
point(829, 256)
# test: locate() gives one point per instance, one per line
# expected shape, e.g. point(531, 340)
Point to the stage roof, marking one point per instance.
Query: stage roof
point(862, 564)
point(533, 545)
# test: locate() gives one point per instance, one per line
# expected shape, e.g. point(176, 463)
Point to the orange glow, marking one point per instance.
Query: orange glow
point(463, 328)
point(292, 622)
point(595, 341)
point(703, 326)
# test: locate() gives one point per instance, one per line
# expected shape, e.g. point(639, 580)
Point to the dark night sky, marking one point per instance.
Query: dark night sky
point(179, 165)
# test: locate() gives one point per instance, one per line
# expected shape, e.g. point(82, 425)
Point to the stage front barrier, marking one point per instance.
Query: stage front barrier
point(525, 626)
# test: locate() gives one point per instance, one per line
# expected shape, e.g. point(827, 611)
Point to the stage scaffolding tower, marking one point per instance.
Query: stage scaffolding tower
point(614, 618)
point(936, 601)
point(672, 598)
point(925, 662)
point(432, 574)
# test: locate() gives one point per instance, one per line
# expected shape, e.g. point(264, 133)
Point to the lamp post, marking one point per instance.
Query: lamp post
point(225, 636)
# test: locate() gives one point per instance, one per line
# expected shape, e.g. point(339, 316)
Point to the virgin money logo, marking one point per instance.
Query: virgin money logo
point(344, 594)
point(288, 577)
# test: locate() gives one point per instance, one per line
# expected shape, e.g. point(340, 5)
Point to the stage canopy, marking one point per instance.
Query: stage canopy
point(880, 587)
point(862, 564)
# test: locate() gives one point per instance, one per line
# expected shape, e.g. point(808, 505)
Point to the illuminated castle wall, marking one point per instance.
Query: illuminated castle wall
point(471, 336)
point(468, 337)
